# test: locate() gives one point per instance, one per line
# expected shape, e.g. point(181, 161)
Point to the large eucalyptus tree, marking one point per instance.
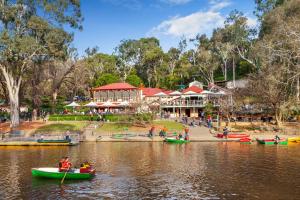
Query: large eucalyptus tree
point(32, 31)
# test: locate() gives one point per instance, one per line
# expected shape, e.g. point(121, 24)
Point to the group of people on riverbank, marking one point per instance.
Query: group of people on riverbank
point(203, 121)
point(163, 133)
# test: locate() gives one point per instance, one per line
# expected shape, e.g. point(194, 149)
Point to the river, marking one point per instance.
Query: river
point(141, 170)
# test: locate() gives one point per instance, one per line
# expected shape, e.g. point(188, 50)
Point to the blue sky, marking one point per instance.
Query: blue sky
point(107, 22)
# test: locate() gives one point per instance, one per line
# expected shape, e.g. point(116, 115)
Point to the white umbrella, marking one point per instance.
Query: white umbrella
point(107, 104)
point(73, 104)
point(91, 104)
point(124, 103)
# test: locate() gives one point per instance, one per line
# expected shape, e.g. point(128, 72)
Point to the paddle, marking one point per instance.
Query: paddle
point(62, 180)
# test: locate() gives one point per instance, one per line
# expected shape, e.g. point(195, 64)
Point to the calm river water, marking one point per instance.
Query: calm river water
point(157, 171)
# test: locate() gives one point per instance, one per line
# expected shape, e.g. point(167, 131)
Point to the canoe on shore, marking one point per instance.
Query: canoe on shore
point(54, 173)
point(294, 139)
point(53, 141)
point(245, 140)
point(176, 141)
point(272, 141)
point(233, 135)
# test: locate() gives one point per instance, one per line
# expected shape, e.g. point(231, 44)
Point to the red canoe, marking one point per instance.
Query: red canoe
point(233, 135)
point(246, 139)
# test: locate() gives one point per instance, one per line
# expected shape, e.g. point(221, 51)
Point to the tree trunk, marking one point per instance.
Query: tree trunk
point(225, 72)
point(278, 117)
point(298, 89)
point(34, 114)
point(13, 87)
point(233, 72)
point(54, 99)
point(14, 109)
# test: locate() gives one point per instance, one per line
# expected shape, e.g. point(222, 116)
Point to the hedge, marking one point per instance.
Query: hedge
point(146, 117)
point(73, 118)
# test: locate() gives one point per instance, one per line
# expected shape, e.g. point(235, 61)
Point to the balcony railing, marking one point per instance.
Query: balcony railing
point(183, 103)
point(188, 103)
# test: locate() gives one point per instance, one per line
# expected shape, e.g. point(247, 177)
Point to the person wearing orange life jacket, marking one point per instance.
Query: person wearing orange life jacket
point(65, 165)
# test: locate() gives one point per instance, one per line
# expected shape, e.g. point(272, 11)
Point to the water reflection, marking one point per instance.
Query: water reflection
point(157, 171)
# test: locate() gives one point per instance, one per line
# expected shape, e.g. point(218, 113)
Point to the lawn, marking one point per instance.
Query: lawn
point(62, 127)
point(114, 127)
point(126, 127)
point(170, 125)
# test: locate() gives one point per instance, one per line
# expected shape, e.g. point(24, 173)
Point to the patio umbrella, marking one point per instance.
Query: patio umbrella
point(91, 105)
point(107, 104)
point(73, 105)
point(124, 103)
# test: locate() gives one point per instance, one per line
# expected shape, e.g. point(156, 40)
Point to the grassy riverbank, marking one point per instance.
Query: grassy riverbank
point(62, 127)
point(127, 127)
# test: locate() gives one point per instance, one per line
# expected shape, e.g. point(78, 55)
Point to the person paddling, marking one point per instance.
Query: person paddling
point(61, 162)
point(66, 165)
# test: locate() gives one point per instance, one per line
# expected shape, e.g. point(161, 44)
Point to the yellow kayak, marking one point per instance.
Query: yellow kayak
point(294, 139)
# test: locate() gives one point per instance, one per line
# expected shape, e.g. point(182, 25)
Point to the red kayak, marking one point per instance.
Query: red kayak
point(233, 135)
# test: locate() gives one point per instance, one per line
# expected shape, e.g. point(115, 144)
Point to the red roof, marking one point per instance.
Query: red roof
point(151, 91)
point(193, 89)
point(116, 86)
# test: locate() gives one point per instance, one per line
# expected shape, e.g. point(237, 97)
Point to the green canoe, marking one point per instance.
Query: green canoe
point(53, 141)
point(176, 141)
point(55, 174)
point(272, 141)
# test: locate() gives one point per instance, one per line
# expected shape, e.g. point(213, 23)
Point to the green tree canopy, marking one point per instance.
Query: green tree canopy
point(105, 79)
point(134, 80)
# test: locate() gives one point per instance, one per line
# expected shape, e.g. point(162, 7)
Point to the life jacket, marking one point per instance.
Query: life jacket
point(66, 165)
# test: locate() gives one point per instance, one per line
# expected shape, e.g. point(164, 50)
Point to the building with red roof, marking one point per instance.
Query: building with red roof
point(115, 86)
point(116, 96)
point(189, 102)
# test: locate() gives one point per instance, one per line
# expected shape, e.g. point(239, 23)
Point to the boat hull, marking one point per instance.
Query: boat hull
point(53, 173)
point(271, 142)
point(232, 135)
point(53, 141)
point(176, 141)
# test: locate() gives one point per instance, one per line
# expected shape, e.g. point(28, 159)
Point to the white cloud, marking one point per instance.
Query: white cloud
point(189, 26)
point(252, 22)
point(218, 5)
point(196, 23)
